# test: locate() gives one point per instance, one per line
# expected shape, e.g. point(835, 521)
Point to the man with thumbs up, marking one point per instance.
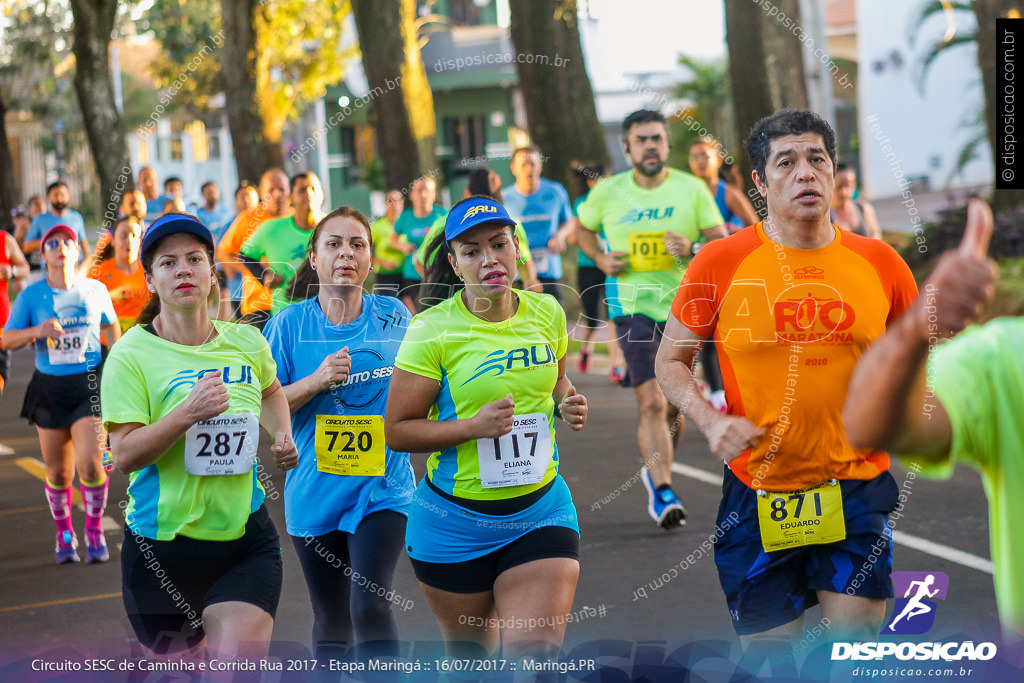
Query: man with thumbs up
point(791, 302)
point(955, 402)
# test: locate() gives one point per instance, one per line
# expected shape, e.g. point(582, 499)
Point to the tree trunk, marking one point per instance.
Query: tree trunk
point(8, 186)
point(237, 60)
point(93, 25)
point(559, 101)
point(403, 104)
point(987, 11)
point(765, 68)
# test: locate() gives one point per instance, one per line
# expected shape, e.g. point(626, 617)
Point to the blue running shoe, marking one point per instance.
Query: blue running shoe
point(96, 547)
point(67, 544)
point(663, 506)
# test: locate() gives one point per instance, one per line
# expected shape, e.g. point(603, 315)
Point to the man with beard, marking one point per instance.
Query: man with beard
point(651, 217)
point(59, 214)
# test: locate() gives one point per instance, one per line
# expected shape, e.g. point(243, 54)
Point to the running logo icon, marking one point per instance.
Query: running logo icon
point(914, 613)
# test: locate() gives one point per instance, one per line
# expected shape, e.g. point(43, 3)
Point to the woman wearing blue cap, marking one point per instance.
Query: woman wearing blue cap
point(183, 399)
point(492, 535)
point(65, 315)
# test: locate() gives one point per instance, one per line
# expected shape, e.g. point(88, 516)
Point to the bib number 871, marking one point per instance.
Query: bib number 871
point(221, 444)
point(780, 511)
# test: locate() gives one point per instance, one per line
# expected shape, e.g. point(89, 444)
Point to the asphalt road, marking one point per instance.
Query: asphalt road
point(51, 614)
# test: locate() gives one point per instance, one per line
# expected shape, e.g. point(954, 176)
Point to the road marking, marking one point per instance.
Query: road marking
point(30, 508)
point(37, 469)
point(943, 551)
point(66, 601)
point(903, 538)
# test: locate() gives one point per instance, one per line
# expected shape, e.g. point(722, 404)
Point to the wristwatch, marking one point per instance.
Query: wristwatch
point(695, 247)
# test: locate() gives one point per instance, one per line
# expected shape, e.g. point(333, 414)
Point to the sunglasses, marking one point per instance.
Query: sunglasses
point(58, 242)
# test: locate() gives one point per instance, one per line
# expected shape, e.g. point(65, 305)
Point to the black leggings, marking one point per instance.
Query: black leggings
point(349, 580)
point(712, 370)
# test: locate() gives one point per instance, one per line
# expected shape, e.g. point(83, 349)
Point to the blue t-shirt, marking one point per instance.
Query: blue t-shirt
point(79, 310)
point(218, 220)
point(300, 337)
point(42, 223)
point(415, 230)
point(155, 207)
point(541, 214)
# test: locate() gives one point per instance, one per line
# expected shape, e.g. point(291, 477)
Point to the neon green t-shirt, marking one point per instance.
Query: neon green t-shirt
point(438, 227)
point(284, 245)
point(979, 379)
point(164, 498)
point(381, 232)
point(477, 363)
point(634, 220)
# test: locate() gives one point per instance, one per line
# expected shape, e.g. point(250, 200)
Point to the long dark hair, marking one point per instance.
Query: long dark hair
point(439, 276)
point(306, 284)
point(152, 308)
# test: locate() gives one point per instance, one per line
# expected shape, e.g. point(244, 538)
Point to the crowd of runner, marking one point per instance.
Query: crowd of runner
point(460, 351)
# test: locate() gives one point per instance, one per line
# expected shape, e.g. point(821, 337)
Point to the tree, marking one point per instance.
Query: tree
point(766, 65)
point(403, 103)
point(94, 24)
point(273, 57)
point(253, 154)
point(8, 196)
point(987, 12)
point(33, 42)
point(983, 36)
point(559, 101)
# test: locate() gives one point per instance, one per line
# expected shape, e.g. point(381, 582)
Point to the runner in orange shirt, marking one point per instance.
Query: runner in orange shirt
point(792, 303)
point(256, 299)
point(121, 272)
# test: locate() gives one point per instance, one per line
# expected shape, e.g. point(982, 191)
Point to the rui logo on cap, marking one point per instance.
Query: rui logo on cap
point(483, 208)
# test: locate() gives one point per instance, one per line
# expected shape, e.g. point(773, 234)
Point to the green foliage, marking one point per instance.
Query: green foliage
point(299, 52)
point(960, 22)
point(187, 32)
point(372, 174)
point(946, 233)
point(710, 96)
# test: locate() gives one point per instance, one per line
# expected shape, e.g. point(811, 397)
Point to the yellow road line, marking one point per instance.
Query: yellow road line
point(31, 508)
point(66, 601)
point(37, 469)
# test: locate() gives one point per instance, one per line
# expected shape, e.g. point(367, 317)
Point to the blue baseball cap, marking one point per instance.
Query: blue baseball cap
point(174, 223)
point(473, 212)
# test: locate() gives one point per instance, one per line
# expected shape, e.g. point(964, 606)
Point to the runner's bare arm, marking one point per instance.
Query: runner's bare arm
point(572, 406)
point(19, 268)
point(715, 232)
point(727, 436)
point(611, 263)
point(277, 420)
point(871, 221)
point(740, 205)
point(15, 338)
point(111, 333)
point(406, 427)
point(135, 446)
point(889, 405)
